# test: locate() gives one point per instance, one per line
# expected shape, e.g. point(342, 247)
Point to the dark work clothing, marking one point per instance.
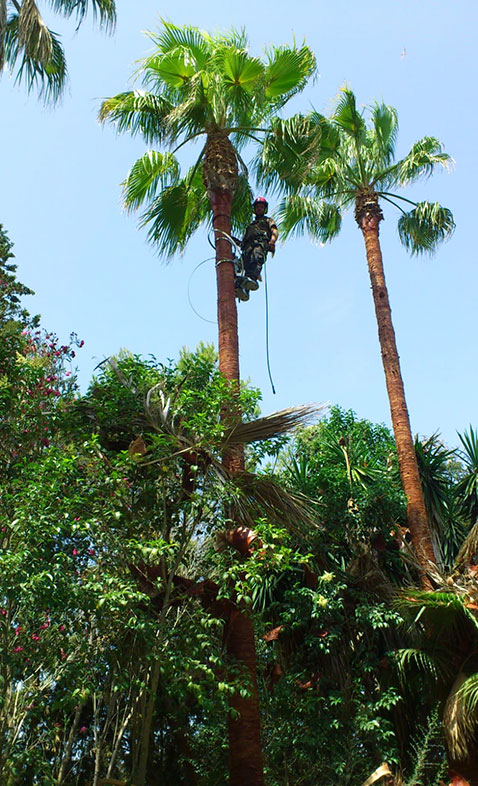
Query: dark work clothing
point(255, 245)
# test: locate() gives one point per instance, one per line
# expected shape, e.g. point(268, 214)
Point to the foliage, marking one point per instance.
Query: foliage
point(34, 51)
point(198, 86)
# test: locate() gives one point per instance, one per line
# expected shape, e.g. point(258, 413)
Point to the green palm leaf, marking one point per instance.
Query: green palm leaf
point(241, 71)
point(385, 125)
point(287, 71)
point(175, 214)
point(151, 171)
point(425, 227)
point(104, 10)
point(347, 117)
point(187, 37)
point(298, 214)
point(138, 112)
point(422, 159)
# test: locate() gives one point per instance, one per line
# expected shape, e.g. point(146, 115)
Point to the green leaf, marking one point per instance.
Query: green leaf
point(151, 171)
point(241, 70)
point(287, 71)
point(425, 227)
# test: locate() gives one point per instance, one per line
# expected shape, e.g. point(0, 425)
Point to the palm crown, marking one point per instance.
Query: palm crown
point(198, 85)
point(343, 161)
point(26, 41)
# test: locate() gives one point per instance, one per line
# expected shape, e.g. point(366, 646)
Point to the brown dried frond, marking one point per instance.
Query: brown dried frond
point(469, 548)
point(261, 496)
point(459, 724)
point(273, 425)
point(33, 33)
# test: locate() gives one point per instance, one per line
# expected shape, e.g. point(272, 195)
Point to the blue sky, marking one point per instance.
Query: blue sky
point(94, 273)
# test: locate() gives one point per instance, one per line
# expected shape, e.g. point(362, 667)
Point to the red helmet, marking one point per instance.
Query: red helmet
point(261, 201)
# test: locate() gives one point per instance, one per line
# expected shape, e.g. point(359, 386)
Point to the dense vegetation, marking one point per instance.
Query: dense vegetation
point(117, 578)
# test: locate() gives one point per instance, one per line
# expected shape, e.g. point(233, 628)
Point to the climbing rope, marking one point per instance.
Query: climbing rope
point(267, 331)
point(211, 322)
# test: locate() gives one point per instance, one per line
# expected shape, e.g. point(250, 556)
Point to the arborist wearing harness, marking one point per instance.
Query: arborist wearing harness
point(259, 238)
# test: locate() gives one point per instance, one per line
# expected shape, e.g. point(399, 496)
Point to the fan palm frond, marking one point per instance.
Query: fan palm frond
point(425, 227)
point(103, 10)
point(47, 75)
point(460, 715)
point(261, 496)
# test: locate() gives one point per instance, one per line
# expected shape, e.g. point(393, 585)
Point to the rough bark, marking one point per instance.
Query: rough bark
point(368, 215)
point(245, 751)
point(220, 177)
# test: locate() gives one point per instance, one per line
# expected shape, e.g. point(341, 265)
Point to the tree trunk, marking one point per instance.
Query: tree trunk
point(245, 751)
point(407, 463)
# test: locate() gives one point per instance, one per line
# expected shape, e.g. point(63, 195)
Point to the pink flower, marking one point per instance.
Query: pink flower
point(17, 649)
point(45, 626)
point(18, 630)
point(35, 637)
point(75, 552)
point(62, 627)
point(3, 612)
point(83, 729)
point(91, 552)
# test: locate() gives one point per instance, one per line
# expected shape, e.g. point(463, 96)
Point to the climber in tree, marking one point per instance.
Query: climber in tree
point(259, 238)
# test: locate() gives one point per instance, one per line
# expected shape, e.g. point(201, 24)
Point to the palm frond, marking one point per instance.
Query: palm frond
point(104, 10)
point(48, 77)
point(415, 657)
point(287, 71)
point(273, 425)
point(138, 112)
point(460, 715)
point(152, 171)
point(469, 548)
point(289, 152)
point(188, 37)
point(261, 496)
point(3, 30)
point(425, 227)
point(385, 125)
point(175, 214)
point(34, 36)
point(422, 159)
point(298, 214)
point(347, 117)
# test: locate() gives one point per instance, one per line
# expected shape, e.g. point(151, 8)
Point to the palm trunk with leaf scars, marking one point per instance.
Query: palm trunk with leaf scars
point(220, 177)
point(368, 216)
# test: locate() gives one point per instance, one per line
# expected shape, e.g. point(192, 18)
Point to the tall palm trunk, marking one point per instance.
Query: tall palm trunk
point(220, 177)
point(368, 216)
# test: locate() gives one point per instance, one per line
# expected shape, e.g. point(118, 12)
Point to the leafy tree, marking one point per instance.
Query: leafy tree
point(346, 163)
point(28, 46)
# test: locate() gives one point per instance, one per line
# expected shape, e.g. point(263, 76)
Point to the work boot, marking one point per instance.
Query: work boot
point(250, 283)
point(241, 293)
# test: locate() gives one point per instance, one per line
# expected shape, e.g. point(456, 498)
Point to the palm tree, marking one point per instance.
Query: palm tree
point(27, 41)
point(340, 163)
point(209, 88)
point(206, 88)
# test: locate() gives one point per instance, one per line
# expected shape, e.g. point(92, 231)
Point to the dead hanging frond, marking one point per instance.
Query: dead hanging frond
point(367, 573)
point(273, 425)
point(460, 715)
point(258, 496)
point(468, 549)
point(383, 771)
point(33, 33)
